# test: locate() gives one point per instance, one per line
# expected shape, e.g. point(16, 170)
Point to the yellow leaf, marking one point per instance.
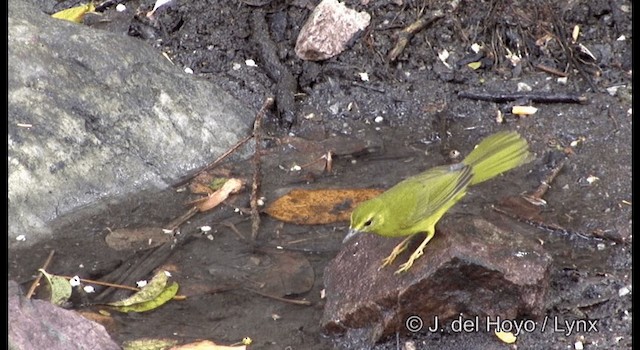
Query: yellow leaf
point(166, 295)
point(149, 292)
point(474, 65)
point(506, 337)
point(208, 345)
point(74, 14)
point(313, 207)
point(149, 344)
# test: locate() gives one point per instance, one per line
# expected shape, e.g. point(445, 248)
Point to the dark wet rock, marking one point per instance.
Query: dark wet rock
point(472, 267)
point(38, 324)
point(94, 114)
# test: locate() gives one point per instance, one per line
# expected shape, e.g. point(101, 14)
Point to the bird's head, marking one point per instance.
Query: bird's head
point(366, 218)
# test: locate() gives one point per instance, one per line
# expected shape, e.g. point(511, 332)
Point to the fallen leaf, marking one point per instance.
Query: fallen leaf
point(148, 344)
point(287, 273)
point(313, 207)
point(474, 65)
point(210, 181)
point(148, 292)
point(151, 296)
point(506, 337)
point(165, 295)
point(214, 199)
point(74, 14)
point(59, 286)
point(208, 345)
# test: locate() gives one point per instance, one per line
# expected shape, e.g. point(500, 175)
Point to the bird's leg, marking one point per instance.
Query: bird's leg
point(395, 252)
point(416, 254)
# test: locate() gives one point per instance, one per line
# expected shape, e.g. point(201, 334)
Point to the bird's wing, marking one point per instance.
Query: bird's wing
point(435, 188)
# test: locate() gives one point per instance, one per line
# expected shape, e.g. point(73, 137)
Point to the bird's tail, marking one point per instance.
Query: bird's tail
point(496, 154)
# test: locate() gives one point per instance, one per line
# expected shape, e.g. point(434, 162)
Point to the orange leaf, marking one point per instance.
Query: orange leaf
point(313, 207)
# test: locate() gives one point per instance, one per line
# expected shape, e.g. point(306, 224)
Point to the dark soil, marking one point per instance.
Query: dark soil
point(587, 227)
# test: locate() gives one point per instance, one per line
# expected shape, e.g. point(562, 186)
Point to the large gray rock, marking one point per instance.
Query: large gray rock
point(108, 116)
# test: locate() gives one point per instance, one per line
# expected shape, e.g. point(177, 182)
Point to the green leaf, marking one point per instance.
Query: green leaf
point(166, 295)
point(60, 288)
point(149, 292)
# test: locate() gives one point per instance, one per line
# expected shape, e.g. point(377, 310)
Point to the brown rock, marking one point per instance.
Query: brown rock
point(472, 267)
point(328, 30)
point(38, 324)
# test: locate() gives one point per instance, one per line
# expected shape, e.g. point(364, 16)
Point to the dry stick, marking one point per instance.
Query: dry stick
point(405, 35)
point(550, 70)
point(175, 223)
point(115, 285)
point(255, 186)
point(561, 36)
point(537, 194)
point(36, 282)
point(546, 183)
point(292, 301)
point(105, 284)
point(531, 96)
point(215, 162)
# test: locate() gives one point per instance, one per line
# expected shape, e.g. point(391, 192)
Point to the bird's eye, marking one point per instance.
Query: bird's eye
point(368, 223)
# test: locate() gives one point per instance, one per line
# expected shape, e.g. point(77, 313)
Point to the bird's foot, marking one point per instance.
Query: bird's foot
point(406, 266)
point(394, 253)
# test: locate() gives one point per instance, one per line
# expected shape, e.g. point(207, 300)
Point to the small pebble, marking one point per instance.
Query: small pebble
point(623, 291)
point(141, 284)
point(74, 281)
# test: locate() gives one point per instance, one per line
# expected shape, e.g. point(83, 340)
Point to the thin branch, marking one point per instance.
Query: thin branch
point(291, 301)
point(255, 186)
point(36, 282)
point(215, 162)
point(531, 96)
point(405, 35)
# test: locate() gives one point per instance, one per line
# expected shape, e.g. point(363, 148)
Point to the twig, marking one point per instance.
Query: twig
point(175, 223)
point(405, 35)
point(551, 70)
point(36, 282)
point(115, 285)
point(104, 284)
point(546, 183)
point(561, 36)
point(291, 301)
point(235, 230)
point(255, 186)
point(531, 96)
point(215, 162)
point(549, 227)
point(535, 198)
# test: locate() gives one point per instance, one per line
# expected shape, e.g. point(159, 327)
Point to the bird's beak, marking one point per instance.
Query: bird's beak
point(350, 235)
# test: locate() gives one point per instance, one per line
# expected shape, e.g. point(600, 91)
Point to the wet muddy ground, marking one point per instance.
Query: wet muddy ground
point(406, 118)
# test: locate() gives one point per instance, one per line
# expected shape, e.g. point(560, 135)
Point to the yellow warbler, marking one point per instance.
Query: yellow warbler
point(416, 204)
